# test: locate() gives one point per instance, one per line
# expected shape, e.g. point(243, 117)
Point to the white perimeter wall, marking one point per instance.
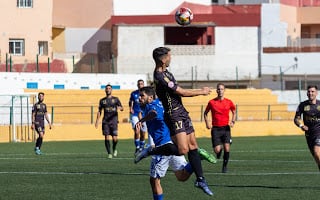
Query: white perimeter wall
point(14, 83)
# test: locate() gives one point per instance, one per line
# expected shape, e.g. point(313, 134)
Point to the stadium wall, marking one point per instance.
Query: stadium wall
point(12, 83)
point(75, 132)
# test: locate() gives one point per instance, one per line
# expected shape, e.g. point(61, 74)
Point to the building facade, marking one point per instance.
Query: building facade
point(259, 43)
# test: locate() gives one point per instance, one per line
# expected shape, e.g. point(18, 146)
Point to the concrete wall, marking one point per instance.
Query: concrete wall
point(21, 23)
point(82, 14)
point(135, 46)
point(82, 24)
point(15, 82)
point(230, 52)
point(273, 31)
point(236, 47)
point(147, 7)
point(278, 22)
point(85, 39)
point(77, 132)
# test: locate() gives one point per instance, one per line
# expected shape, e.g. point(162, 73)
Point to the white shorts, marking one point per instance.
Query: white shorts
point(134, 120)
point(160, 164)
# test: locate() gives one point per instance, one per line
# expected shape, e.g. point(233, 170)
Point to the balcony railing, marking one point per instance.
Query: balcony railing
point(192, 49)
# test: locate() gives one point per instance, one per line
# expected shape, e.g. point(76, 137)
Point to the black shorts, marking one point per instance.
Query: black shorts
point(220, 135)
point(312, 140)
point(110, 128)
point(179, 121)
point(39, 126)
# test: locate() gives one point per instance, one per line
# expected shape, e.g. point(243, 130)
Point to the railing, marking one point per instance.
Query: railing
point(192, 49)
point(304, 42)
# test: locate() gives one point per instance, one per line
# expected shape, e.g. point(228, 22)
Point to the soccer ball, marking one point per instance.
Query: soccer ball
point(184, 16)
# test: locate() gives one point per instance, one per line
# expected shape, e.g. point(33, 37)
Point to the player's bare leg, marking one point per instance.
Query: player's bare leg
point(317, 155)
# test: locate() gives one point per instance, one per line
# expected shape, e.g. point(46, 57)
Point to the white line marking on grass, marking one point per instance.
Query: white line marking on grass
point(15, 158)
point(264, 173)
point(274, 161)
point(271, 151)
point(72, 173)
point(136, 173)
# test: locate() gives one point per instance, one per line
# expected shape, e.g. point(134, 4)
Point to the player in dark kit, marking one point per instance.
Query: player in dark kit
point(110, 106)
point(176, 116)
point(39, 112)
point(310, 109)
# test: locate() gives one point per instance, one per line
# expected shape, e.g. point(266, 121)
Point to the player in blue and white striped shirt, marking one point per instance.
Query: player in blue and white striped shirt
point(159, 134)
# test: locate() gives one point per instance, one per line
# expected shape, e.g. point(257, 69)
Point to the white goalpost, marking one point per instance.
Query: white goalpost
point(15, 112)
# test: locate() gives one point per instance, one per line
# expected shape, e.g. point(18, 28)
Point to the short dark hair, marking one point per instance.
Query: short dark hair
point(149, 91)
point(221, 85)
point(158, 54)
point(40, 93)
point(108, 85)
point(312, 86)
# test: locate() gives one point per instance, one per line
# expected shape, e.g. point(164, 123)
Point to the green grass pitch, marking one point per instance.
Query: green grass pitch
point(278, 167)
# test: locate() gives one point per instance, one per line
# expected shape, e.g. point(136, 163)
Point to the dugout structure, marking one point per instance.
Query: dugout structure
point(15, 111)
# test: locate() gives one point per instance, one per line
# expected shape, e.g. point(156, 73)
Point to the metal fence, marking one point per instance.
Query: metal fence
point(86, 114)
point(16, 118)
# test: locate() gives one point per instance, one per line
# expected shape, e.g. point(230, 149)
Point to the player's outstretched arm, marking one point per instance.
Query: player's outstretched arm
point(193, 92)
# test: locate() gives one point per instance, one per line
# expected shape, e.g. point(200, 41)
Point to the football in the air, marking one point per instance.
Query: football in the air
point(184, 16)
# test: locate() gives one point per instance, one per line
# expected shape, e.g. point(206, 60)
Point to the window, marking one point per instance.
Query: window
point(43, 48)
point(24, 3)
point(189, 35)
point(214, 1)
point(16, 47)
point(231, 1)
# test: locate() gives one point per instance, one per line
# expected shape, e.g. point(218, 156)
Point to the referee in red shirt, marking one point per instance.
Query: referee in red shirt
point(220, 108)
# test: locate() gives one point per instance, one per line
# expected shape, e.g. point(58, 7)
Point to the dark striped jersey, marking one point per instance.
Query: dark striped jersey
point(110, 108)
point(311, 115)
point(166, 85)
point(40, 109)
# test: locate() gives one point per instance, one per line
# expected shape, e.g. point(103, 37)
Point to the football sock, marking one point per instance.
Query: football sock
point(114, 145)
point(142, 143)
point(225, 158)
point(188, 168)
point(137, 143)
point(107, 145)
point(166, 150)
point(195, 162)
point(39, 142)
point(157, 196)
